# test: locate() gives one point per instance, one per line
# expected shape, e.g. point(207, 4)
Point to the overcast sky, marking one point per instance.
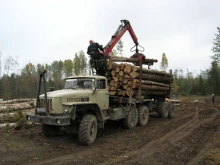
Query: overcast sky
point(42, 31)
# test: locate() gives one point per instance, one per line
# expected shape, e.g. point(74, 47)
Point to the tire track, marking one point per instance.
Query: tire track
point(164, 142)
point(142, 153)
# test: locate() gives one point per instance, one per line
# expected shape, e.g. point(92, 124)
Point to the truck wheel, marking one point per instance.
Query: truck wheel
point(131, 119)
point(170, 108)
point(163, 110)
point(143, 115)
point(50, 130)
point(88, 129)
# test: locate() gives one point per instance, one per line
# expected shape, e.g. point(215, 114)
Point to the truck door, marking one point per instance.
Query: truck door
point(101, 94)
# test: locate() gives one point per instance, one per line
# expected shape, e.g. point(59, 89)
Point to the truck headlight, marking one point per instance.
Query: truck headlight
point(58, 121)
point(67, 108)
point(28, 118)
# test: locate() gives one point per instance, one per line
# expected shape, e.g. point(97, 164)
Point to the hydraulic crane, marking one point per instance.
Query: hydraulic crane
point(125, 26)
point(101, 65)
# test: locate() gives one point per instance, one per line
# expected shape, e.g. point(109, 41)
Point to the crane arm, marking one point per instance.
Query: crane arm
point(125, 26)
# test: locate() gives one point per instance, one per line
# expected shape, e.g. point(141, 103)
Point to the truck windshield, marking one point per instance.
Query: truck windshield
point(79, 83)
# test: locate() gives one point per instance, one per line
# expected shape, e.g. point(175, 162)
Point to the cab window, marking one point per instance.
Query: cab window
point(100, 84)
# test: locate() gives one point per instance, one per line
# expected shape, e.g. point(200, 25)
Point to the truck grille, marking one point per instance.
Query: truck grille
point(42, 103)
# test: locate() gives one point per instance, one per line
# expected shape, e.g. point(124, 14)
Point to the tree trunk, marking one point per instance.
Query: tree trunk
point(149, 71)
point(133, 60)
point(151, 77)
point(145, 93)
point(146, 82)
point(151, 87)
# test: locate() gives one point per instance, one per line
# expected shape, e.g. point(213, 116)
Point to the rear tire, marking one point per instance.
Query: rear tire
point(50, 130)
point(143, 115)
point(131, 119)
point(163, 110)
point(88, 129)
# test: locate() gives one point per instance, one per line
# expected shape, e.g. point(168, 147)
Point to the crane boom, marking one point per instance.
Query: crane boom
point(125, 26)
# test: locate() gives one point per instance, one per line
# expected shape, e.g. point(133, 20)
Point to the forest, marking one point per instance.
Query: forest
point(23, 84)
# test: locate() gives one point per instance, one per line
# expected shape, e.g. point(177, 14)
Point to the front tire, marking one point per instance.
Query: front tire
point(88, 129)
point(143, 115)
point(163, 110)
point(50, 130)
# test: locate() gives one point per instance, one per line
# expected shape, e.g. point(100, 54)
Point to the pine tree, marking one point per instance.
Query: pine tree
point(120, 47)
point(214, 77)
point(68, 68)
point(216, 47)
point(164, 62)
point(113, 52)
point(76, 64)
point(83, 62)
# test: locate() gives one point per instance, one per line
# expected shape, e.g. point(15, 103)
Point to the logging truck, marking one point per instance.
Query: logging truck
point(88, 102)
point(128, 91)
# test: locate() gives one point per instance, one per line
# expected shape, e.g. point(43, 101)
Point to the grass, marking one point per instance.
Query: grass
point(20, 120)
point(213, 156)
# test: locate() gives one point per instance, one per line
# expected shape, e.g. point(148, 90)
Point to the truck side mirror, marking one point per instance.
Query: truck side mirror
point(94, 85)
point(51, 89)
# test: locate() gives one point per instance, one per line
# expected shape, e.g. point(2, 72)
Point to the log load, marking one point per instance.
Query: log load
point(125, 79)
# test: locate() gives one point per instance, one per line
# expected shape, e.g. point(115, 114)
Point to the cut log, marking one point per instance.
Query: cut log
point(151, 77)
point(122, 66)
point(129, 82)
point(113, 72)
point(115, 79)
point(112, 91)
point(127, 69)
point(17, 106)
point(121, 78)
point(121, 73)
point(126, 76)
point(156, 93)
point(123, 93)
point(150, 71)
point(151, 87)
point(133, 60)
point(125, 81)
point(125, 86)
point(120, 83)
point(146, 82)
point(129, 91)
point(112, 82)
point(16, 101)
point(117, 69)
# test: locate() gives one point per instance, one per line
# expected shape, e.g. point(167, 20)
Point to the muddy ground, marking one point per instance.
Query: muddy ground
point(191, 137)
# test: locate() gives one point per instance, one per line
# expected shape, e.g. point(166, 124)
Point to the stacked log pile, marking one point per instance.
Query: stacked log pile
point(123, 80)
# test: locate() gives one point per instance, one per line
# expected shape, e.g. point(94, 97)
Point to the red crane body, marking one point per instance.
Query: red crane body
point(125, 26)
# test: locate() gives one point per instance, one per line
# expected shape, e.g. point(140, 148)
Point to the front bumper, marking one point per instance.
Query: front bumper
point(50, 120)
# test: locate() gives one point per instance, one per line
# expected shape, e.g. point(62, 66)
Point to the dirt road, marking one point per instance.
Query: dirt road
point(184, 139)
